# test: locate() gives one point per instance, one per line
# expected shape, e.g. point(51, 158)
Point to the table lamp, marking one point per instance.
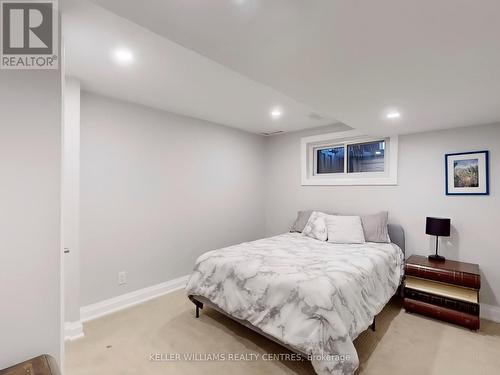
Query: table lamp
point(435, 226)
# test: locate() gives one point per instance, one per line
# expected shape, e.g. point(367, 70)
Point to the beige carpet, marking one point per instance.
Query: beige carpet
point(404, 343)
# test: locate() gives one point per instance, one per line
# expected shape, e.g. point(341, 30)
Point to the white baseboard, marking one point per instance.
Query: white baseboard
point(490, 312)
point(73, 331)
point(99, 309)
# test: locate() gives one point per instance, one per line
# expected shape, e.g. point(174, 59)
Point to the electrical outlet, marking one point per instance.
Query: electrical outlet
point(122, 278)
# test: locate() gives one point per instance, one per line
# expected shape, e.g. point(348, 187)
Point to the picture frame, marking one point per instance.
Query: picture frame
point(467, 173)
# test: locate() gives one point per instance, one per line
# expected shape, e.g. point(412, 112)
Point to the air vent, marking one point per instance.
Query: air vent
point(271, 133)
point(315, 116)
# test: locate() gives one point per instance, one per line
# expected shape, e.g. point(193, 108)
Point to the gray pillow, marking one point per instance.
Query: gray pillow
point(303, 218)
point(375, 227)
point(301, 221)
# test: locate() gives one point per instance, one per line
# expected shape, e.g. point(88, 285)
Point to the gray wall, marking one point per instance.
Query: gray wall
point(158, 190)
point(420, 193)
point(30, 159)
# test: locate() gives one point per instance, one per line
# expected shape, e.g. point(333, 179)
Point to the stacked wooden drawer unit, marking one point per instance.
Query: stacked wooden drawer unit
point(446, 290)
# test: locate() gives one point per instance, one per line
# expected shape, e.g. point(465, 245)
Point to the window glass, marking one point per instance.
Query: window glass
point(366, 157)
point(330, 160)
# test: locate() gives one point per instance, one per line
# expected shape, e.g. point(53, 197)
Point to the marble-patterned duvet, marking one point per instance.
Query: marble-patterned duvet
point(314, 296)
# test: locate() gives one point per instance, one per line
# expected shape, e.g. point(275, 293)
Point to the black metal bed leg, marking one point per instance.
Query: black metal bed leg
point(198, 305)
point(373, 325)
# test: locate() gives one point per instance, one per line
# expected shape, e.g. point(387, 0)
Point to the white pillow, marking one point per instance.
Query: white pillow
point(345, 229)
point(316, 226)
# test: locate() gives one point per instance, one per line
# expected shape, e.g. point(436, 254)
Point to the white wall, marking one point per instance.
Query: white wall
point(30, 242)
point(158, 190)
point(71, 199)
point(420, 193)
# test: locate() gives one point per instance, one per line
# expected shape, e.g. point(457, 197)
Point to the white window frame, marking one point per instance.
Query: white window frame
point(309, 146)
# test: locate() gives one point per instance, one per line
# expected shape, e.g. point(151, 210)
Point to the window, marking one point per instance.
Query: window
point(341, 159)
point(330, 160)
point(361, 158)
point(366, 157)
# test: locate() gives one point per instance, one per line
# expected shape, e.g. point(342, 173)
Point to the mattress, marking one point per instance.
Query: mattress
point(313, 296)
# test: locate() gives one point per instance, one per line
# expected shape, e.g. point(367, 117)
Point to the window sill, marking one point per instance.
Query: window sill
point(311, 181)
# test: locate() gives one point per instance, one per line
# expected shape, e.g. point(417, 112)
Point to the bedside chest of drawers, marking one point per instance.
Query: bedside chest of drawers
point(446, 290)
point(43, 365)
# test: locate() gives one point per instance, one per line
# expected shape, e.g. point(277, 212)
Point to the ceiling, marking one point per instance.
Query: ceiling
point(168, 76)
point(437, 62)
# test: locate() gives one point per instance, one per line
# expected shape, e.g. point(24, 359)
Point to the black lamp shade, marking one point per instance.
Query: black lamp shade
point(438, 227)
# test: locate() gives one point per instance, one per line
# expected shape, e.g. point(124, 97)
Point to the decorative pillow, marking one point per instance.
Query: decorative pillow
point(301, 221)
point(302, 218)
point(344, 229)
point(375, 227)
point(316, 226)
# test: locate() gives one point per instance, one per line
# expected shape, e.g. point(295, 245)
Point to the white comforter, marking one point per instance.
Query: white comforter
point(314, 296)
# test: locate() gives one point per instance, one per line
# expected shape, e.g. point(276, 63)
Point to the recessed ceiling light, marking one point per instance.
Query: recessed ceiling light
point(393, 114)
point(276, 113)
point(123, 56)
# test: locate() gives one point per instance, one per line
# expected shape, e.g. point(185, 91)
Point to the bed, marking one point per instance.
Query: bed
point(310, 296)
